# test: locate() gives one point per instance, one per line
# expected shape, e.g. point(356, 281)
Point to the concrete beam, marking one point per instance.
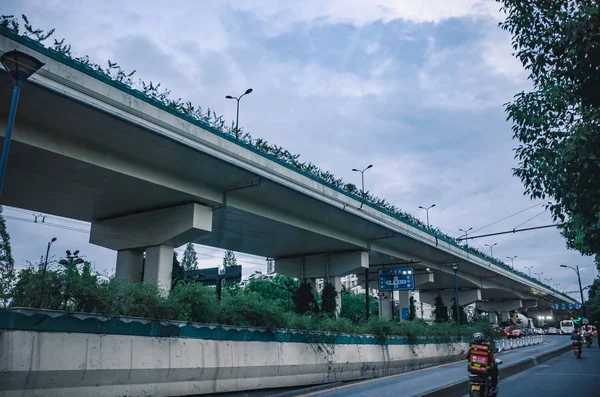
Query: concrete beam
point(529, 303)
point(173, 226)
point(323, 266)
point(465, 297)
point(503, 305)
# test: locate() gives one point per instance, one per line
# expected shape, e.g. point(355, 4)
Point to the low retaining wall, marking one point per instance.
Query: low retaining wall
point(39, 357)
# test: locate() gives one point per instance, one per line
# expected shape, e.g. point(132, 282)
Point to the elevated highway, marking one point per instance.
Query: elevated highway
point(150, 179)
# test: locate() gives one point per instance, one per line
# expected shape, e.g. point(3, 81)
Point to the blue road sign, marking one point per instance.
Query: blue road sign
point(578, 306)
point(556, 306)
point(570, 306)
point(405, 313)
point(397, 279)
point(563, 306)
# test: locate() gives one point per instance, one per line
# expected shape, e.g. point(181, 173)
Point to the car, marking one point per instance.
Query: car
point(552, 331)
point(516, 333)
point(538, 331)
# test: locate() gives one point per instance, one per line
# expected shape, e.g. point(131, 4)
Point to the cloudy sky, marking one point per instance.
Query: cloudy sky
point(413, 87)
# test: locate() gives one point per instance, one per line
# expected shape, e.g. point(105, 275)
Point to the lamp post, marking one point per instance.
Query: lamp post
point(466, 232)
point(529, 269)
point(455, 268)
point(427, 210)
point(20, 66)
point(539, 275)
point(47, 252)
point(548, 280)
point(512, 261)
point(362, 179)
point(491, 249)
point(556, 285)
point(237, 113)
point(576, 270)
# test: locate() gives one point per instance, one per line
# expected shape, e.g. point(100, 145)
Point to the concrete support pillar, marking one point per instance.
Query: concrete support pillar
point(129, 266)
point(159, 264)
point(505, 316)
point(386, 305)
point(337, 284)
point(493, 317)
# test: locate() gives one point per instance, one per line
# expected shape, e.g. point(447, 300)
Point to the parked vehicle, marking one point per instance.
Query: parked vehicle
point(538, 331)
point(552, 331)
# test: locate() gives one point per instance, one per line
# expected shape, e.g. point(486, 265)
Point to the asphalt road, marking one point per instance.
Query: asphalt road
point(417, 382)
point(561, 376)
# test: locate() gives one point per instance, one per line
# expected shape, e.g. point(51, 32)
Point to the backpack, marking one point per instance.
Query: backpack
point(479, 358)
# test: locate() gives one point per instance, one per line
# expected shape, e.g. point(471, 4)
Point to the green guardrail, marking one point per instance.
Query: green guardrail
point(91, 324)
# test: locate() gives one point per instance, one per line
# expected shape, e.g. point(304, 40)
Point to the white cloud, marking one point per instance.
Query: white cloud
point(362, 12)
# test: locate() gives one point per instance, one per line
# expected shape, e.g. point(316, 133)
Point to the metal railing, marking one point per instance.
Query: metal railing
point(507, 344)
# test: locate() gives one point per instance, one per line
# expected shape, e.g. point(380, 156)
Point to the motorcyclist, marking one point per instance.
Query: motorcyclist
point(587, 336)
point(478, 337)
point(577, 339)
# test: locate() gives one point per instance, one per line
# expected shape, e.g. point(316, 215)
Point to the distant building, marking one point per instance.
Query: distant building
point(270, 266)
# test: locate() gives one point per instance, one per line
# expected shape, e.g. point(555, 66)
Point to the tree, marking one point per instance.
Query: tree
point(328, 302)
point(7, 263)
point(190, 258)
point(461, 310)
point(412, 311)
point(229, 259)
point(558, 122)
point(441, 311)
point(177, 274)
point(304, 299)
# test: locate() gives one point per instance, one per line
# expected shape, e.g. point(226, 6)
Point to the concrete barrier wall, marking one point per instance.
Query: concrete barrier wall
point(44, 363)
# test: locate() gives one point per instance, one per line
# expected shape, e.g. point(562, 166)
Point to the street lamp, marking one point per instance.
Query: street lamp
point(362, 178)
point(47, 252)
point(455, 268)
point(237, 114)
point(512, 261)
point(576, 270)
point(539, 275)
point(466, 232)
point(529, 269)
point(20, 66)
point(491, 249)
point(556, 285)
point(427, 209)
point(548, 280)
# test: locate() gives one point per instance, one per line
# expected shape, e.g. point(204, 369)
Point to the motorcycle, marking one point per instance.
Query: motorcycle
point(481, 385)
point(588, 341)
point(577, 349)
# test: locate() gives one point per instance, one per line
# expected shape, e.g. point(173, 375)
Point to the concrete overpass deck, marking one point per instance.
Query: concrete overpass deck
point(93, 150)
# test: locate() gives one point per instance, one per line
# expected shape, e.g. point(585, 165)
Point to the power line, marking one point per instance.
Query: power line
point(506, 217)
point(530, 219)
point(510, 231)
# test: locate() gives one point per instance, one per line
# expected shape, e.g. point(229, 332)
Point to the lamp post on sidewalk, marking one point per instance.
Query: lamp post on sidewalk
point(20, 66)
point(455, 268)
point(576, 270)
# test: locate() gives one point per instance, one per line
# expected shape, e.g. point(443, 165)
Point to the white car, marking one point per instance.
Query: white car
point(552, 331)
point(538, 331)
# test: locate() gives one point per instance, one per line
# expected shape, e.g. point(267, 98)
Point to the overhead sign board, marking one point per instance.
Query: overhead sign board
point(397, 279)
